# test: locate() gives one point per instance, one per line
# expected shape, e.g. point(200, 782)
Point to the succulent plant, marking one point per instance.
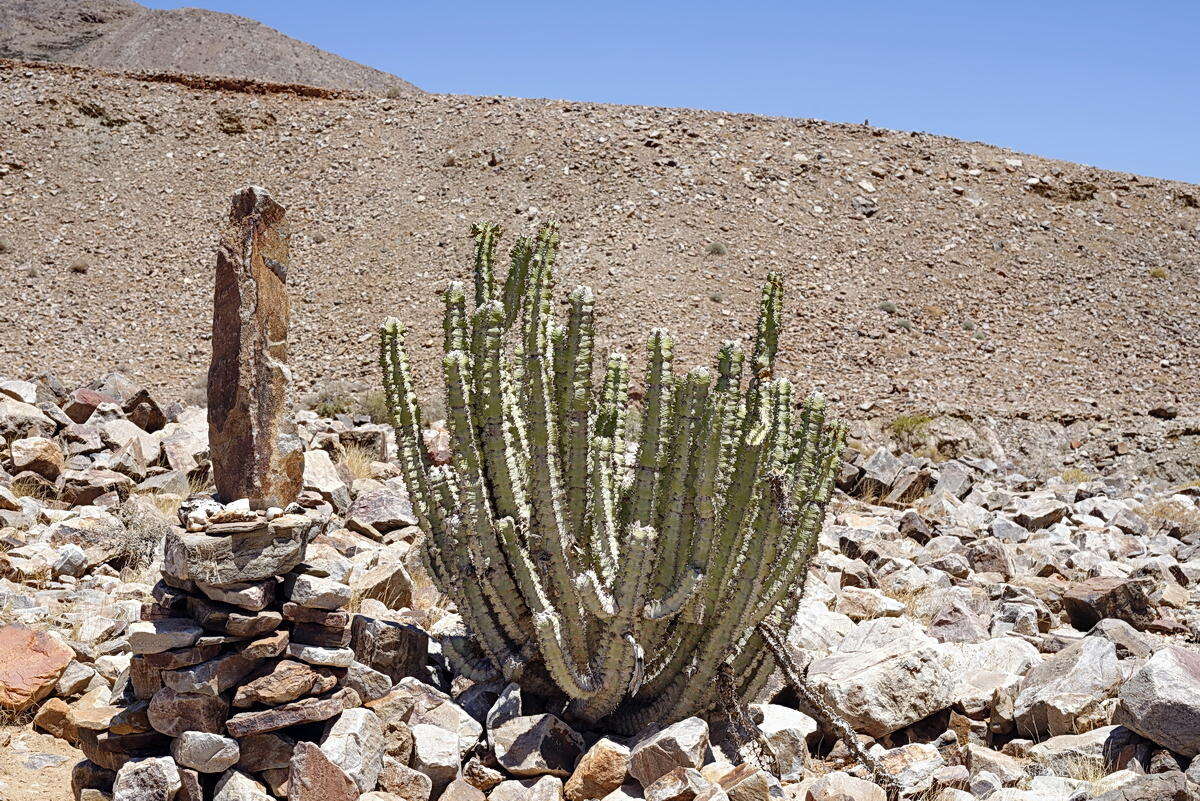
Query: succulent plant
point(617, 569)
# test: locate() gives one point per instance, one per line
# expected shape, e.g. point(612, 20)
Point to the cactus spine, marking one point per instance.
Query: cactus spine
point(621, 570)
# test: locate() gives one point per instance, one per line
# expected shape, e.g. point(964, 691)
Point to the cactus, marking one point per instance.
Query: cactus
point(616, 569)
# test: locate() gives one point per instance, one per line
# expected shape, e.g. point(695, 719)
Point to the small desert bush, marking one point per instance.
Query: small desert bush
point(1074, 475)
point(374, 405)
point(909, 425)
point(1158, 272)
point(332, 400)
point(79, 266)
point(903, 323)
point(6, 246)
point(888, 306)
point(717, 249)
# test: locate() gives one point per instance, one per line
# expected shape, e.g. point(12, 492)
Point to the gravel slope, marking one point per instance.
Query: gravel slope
point(1010, 296)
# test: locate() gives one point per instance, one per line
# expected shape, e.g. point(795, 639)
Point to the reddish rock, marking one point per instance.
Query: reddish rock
point(31, 663)
point(173, 713)
point(82, 402)
point(307, 710)
point(287, 681)
point(315, 778)
point(255, 453)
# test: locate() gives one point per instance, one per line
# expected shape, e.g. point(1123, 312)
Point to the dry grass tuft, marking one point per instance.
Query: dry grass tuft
point(358, 461)
point(1172, 516)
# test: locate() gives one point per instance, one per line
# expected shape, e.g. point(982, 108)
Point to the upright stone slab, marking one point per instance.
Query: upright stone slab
point(255, 451)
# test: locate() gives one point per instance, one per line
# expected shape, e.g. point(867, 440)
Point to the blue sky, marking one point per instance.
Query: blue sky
point(1114, 84)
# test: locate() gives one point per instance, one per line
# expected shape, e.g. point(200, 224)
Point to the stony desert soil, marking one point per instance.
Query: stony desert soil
point(124, 35)
point(921, 271)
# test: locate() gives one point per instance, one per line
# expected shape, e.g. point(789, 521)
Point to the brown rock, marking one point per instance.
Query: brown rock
point(262, 752)
point(322, 617)
point(255, 454)
point(325, 636)
point(111, 751)
point(39, 454)
point(287, 681)
point(53, 718)
point(88, 775)
point(314, 778)
point(1092, 600)
point(173, 713)
point(30, 665)
point(230, 619)
point(306, 710)
point(144, 412)
point(601, 770)
point(82, 402)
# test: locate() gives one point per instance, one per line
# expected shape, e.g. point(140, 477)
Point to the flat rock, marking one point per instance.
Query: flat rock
point(306, 710)
point(236, 558)
point(31, 663)
point(205, 752)
point(318, 655)
point(286, 681)
point(172, 713)
point(316, 592)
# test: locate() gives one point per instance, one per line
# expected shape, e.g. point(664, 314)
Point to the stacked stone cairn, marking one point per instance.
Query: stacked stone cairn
point(243, 662)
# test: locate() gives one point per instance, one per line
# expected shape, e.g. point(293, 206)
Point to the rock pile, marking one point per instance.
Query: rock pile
point(244, 648)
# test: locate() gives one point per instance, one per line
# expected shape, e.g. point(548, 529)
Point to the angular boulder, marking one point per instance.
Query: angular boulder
point(1161, 701)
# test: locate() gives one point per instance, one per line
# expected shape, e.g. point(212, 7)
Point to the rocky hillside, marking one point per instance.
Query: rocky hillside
point(121, 35)
point(988, 636)
point(924, 275)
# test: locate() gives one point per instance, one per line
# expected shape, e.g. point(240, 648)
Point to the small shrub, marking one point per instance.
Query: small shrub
point(374, 405)
point(395, 93)
point(909, 425)
point(904, 324)
point(79, 266)
point(1074, 475)
point(5, 246)
point(332, 400)
point(887, 306)
point(1169, 516)
point(717, 249)
point(1158, 272)
point(968, 325)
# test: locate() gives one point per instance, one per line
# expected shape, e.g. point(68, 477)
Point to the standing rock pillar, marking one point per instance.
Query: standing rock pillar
point(255, 451)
